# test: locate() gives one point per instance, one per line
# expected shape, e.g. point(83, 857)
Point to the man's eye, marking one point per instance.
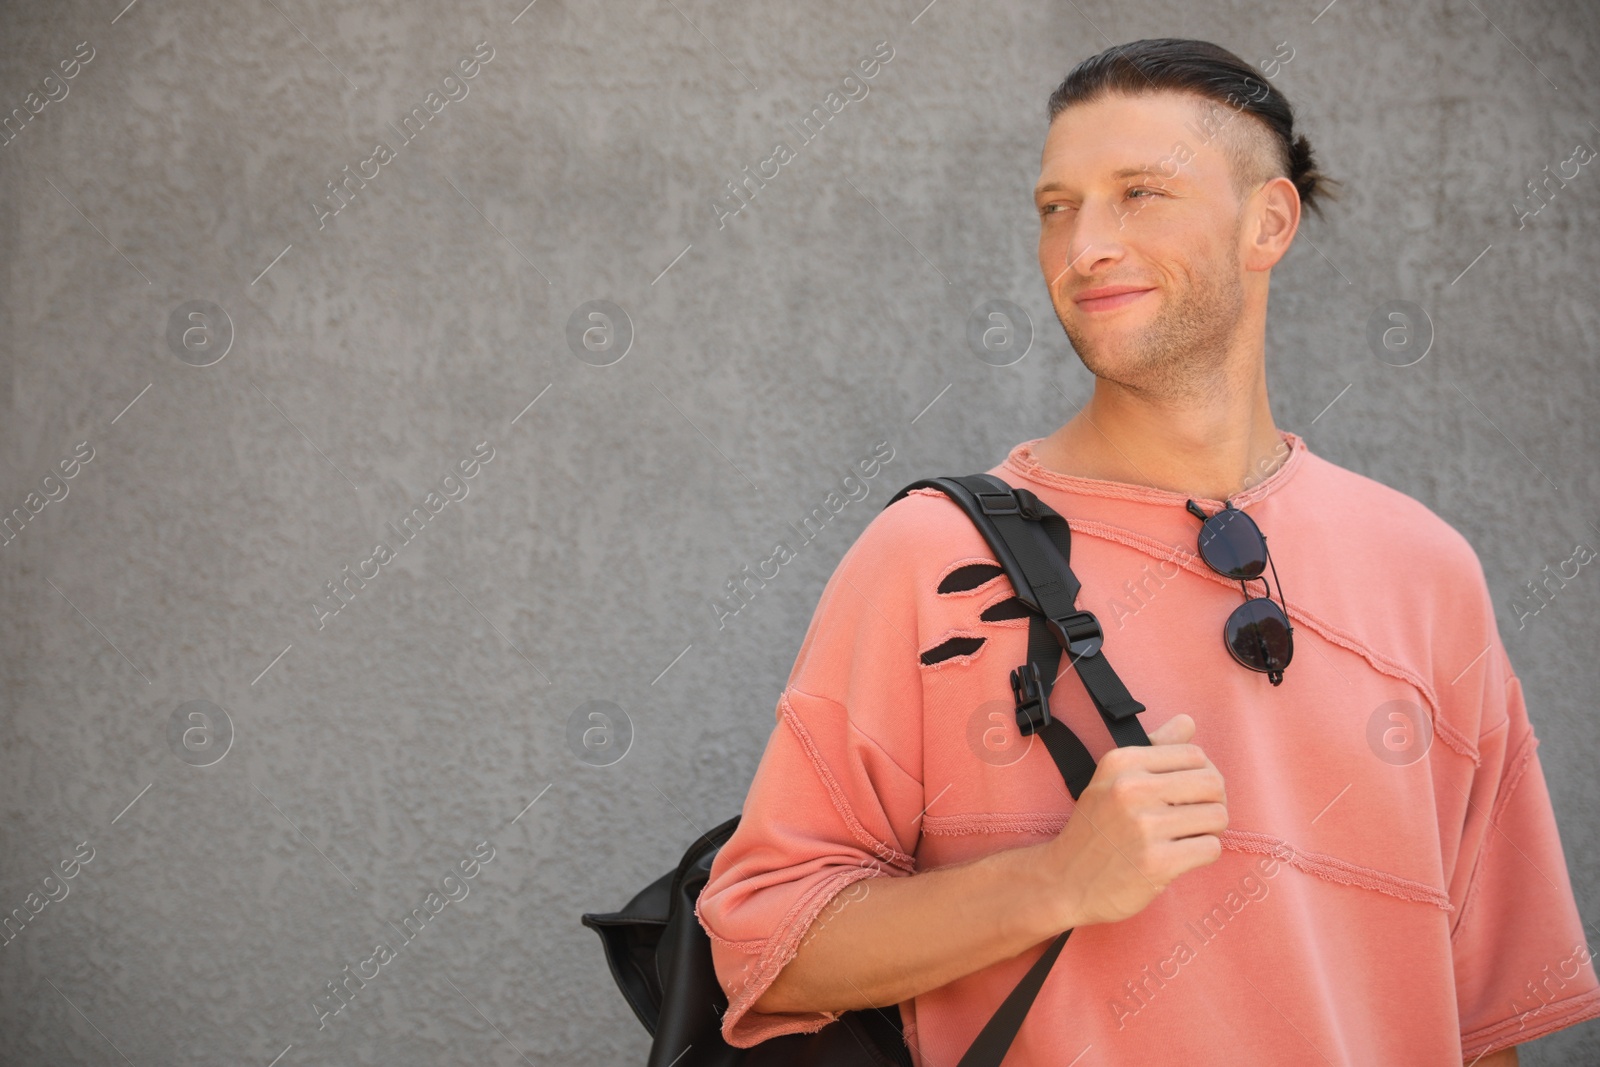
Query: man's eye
point(1051, 209)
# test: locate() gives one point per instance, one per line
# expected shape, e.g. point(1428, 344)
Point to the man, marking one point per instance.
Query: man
point(1338, 847)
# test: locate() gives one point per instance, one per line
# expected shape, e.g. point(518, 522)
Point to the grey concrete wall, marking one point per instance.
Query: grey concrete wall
point(260, 386)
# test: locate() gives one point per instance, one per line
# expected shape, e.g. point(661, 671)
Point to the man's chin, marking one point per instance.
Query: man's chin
point(1105, 361)
point(1135, 370)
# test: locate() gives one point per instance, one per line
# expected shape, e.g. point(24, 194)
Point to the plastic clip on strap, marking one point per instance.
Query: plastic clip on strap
point(1033, 703)
point(1081, 636)
point(1072, 759)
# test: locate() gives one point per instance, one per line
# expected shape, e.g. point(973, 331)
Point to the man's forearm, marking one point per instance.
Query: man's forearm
point(894, 938)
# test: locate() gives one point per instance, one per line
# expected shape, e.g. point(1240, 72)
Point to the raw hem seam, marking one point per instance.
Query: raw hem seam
point(782, 949)
point(1493, 1038)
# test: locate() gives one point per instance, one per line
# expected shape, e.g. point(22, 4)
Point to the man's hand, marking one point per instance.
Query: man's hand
point(1148, 815)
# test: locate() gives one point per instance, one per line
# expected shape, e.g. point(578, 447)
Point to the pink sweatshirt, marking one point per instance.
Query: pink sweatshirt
point(1391, 889)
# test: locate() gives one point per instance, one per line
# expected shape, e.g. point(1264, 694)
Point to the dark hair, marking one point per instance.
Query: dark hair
point(1174, 64)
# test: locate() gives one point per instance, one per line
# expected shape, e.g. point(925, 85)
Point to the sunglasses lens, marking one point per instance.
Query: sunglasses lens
point(1232, 545)
point(1258, 636)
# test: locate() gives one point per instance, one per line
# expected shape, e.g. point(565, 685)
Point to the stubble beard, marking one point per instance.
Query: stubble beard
point(1182, 354)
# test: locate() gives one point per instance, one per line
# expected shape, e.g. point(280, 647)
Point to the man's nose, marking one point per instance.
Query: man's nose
point(1096, 237)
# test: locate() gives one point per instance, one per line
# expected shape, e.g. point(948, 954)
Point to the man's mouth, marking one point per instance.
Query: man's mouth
point(1109, 297)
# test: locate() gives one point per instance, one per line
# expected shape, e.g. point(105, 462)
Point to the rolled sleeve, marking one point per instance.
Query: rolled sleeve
point(818, 818)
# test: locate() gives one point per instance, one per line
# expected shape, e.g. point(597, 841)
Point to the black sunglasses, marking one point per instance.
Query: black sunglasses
point(1258, 632)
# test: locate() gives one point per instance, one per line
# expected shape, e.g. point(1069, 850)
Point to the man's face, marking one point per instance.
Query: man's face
point(1129, 195)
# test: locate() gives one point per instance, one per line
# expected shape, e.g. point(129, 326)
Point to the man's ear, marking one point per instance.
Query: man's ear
point(1272, 216)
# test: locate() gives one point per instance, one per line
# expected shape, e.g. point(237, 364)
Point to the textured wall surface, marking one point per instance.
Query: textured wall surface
point(250, 387)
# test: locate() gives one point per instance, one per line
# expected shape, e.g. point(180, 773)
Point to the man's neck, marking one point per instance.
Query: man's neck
point(1214, 448)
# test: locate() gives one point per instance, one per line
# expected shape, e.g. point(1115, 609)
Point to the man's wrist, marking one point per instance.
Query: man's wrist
point(1042, 906)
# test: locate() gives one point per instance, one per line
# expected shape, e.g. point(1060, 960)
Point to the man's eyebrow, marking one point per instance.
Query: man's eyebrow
point(1125, 172)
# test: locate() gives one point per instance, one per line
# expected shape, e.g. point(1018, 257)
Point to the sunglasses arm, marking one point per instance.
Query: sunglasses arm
point(1282, 600)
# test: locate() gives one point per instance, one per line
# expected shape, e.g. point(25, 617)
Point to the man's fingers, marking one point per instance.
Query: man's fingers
point(1175, 731)
point(1191, 852)
point(1154, 759)
point(1191, 820)
point(1198, 785)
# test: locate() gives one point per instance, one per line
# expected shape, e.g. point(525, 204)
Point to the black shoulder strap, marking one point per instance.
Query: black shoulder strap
point(1034, 545)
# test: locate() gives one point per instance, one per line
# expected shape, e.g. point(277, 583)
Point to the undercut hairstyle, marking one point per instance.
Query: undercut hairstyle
point(1257, 150)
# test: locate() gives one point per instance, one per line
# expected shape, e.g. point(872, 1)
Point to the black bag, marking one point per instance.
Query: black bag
point(661, 957)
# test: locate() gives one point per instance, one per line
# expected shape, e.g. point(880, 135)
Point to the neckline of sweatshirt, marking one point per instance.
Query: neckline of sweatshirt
point(1023, 462)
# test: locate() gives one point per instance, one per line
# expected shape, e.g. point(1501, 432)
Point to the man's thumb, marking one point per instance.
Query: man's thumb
point(1175, 731)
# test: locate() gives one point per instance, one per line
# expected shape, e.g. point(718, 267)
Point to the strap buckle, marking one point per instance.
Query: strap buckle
point(1079, 633)
point(998, 503)
point(1017, 501)
point(1033, 710)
